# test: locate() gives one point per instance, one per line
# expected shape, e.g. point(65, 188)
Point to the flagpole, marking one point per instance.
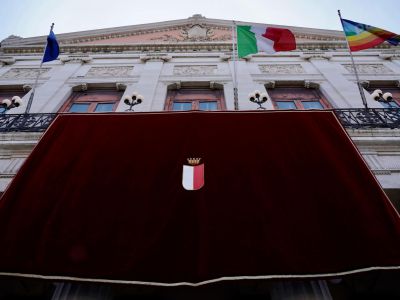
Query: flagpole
point(29, 104)
point(234, 56)
point(364, 100)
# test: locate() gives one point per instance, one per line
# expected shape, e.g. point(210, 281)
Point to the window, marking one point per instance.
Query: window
point(92, 101)
point(297, 98)
point(195, 99)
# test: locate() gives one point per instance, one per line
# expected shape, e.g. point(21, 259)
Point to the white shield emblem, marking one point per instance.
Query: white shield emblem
point(193, 175)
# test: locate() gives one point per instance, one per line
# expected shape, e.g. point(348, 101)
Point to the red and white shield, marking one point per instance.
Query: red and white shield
point(193, 177)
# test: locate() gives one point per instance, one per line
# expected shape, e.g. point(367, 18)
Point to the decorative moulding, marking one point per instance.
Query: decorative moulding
point(24, 73)
point(282, 69)
point(120, 86)
point(390, 56)
point(368, 69)
point(316, 56)
point(311, 84)
point(270, 84)
point(364, 84)
point(225, 57)
point(155, 57)
point(75, 59)
point(80, 87)
point(27, 87)
point(195, 70)
point(6, 61)
point(109, 71)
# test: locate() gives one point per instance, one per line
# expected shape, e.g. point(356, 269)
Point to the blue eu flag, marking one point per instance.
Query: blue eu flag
point(52, 49)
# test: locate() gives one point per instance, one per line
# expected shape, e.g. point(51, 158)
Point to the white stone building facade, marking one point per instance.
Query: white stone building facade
point(197, 51)
point(153, 59)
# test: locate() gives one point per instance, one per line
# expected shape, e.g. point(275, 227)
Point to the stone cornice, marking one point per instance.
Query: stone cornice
point(218, 46)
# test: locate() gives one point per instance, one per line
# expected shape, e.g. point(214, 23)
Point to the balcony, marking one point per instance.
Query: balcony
point(352, 118)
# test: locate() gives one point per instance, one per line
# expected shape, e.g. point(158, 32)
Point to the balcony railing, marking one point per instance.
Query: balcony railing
point(25, 122)
point(360, 118)
point(356, 118)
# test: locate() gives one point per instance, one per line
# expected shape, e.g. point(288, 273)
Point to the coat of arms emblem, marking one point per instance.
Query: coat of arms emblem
point(193, 174)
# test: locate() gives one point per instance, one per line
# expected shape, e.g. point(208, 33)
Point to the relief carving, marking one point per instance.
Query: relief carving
point(282, 69)
point(368, 69)
point(195, 70)
point(24, 73)
point(109, 71)
point(197, 32)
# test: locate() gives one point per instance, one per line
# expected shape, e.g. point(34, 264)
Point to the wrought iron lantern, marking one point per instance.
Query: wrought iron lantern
point(133, 100)
point(379, 96)
point(8, 104)
point(258, 98)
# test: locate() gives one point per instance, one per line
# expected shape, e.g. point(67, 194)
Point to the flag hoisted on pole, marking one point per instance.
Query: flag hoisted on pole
point(51, 52)
point(360, 88)
point(362, 36)
point(254, 39)
point(52, 49)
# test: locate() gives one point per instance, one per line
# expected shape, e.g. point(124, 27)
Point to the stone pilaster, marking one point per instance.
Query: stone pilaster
point(147, 84)
point(347, 92)
point(51, 95)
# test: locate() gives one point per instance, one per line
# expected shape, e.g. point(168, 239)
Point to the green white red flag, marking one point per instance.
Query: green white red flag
point(254, 39)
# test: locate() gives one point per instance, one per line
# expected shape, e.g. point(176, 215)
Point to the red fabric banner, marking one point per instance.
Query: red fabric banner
point(285, 194)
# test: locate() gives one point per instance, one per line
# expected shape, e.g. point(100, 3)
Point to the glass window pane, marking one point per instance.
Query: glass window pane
point(286, 104)
point(182, 106)
point(104, 107)
point(391, 104)
point(79, 107)
point(208, 105)
point(312, 105)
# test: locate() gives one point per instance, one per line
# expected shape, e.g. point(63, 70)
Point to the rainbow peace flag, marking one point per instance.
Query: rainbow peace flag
point(361, 36)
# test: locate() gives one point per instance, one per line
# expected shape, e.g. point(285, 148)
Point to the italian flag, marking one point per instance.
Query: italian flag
point(253, 39)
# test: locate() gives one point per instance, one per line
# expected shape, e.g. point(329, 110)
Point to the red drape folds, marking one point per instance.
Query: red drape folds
point(285, 193)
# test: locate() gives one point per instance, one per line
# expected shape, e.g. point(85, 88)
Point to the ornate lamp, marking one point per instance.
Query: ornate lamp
point(258, 98)
point(8, 104)
point(379, 96)
point(133, 100)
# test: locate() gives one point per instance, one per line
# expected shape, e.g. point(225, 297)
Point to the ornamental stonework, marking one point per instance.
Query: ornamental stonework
point(109, 71)
point(195, 70)
point(24, 73)
point(368, 69)
point(282, 69)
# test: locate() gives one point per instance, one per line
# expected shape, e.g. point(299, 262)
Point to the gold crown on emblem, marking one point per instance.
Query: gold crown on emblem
point(194, 161)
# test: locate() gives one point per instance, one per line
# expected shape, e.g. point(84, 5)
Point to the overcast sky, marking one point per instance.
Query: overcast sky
point(29, 18)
